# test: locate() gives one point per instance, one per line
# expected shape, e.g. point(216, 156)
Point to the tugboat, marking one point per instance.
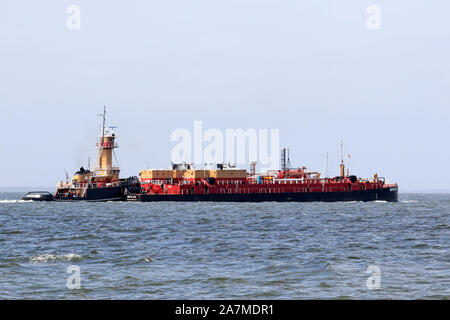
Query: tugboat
point(100, 184)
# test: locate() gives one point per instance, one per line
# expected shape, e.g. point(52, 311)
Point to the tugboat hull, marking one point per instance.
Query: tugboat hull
point(384, 194)
point(96, 195)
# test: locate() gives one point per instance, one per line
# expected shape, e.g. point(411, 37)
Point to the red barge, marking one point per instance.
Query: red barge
point(226, 183)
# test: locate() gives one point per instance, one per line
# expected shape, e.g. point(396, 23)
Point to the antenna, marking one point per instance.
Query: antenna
point(104, 120)
point(288, 160)
point(342, 166)
point(326, 172)
point(283, 159)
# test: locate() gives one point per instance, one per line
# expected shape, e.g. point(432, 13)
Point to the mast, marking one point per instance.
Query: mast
point(104, 121)
point(288, 160)
point(342, 166)
point(283, 159)
point(106, 146)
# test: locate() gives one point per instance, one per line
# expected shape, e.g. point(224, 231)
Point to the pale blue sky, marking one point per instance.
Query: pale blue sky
point(310, 68)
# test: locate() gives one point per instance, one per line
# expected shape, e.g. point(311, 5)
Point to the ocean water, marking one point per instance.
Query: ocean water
point(226, 250)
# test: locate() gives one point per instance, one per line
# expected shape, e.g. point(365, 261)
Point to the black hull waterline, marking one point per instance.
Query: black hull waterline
point(97, 195)
point(116, 194)
point(385, 194)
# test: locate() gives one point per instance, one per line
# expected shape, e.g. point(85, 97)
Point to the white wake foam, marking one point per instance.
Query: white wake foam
point(15, 201)
point(48, 257)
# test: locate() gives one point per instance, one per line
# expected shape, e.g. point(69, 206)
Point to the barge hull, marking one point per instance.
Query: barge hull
point(384, 194)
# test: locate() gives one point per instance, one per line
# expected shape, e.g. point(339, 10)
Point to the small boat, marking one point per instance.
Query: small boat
point(39, 196)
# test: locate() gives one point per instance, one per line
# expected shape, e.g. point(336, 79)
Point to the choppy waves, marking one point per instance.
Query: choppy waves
point(226, 250)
